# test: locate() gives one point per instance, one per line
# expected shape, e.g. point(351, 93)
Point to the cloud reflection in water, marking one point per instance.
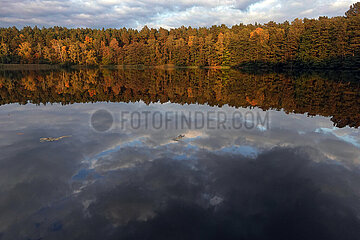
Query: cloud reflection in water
point(291, 181)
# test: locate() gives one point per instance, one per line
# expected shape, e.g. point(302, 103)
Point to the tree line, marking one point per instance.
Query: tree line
point(310, 92)
point(318, 43)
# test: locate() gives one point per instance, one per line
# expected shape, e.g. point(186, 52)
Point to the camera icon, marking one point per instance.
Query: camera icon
point(101, 120)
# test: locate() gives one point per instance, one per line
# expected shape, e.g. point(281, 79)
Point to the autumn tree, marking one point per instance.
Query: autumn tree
point(354, 10)
point(25, 52)
point(304, 43)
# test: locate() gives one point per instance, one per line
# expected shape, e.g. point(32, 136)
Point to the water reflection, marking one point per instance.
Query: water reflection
point(334, 95)
point(296, 179)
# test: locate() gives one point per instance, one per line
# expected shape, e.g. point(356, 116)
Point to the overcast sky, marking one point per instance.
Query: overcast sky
point(161, 13)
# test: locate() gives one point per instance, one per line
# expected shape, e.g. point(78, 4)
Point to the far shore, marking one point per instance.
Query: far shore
point(59, 66)
point(254, 67)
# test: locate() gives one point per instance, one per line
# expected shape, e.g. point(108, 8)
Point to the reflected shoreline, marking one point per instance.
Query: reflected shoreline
point(310, 92)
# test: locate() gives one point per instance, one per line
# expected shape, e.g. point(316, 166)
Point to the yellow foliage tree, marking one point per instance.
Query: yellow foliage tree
point(25, 51)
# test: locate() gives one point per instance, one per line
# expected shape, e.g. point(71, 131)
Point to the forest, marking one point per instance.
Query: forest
point(332, 43)
point(314, 93)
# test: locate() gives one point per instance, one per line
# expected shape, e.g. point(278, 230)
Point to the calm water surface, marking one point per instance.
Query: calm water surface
point(262, 156)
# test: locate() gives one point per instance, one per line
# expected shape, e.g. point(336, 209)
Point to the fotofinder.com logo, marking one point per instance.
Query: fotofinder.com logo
point(103, 120)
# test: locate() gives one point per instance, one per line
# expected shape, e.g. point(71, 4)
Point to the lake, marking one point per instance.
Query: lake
point(179, 154)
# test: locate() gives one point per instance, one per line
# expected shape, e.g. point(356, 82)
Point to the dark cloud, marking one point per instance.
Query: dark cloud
point(244, 4)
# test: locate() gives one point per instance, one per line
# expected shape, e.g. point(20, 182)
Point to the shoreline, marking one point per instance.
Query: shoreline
point(42, 67)
point(20, 66)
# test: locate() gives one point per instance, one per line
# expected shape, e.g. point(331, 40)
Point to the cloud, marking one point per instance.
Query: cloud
point(276, 195)
point(160, 13)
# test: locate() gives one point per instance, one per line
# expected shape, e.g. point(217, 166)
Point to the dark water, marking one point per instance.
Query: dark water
point(263, 156)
